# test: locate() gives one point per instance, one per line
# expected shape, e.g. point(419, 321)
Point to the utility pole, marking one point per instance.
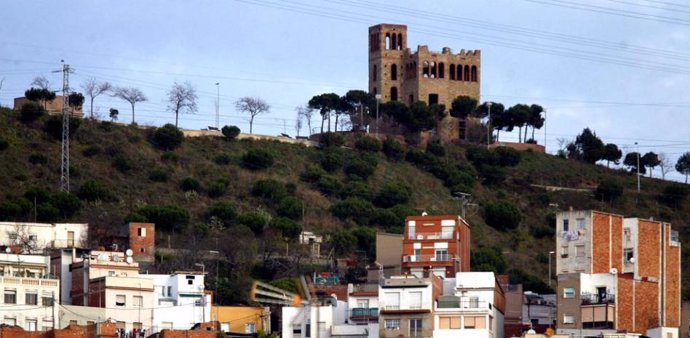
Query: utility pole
point(64, 168)
point(488, 126)
point(217, 105)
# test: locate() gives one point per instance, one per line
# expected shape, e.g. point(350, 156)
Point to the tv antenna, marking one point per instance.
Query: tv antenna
point(64, 167)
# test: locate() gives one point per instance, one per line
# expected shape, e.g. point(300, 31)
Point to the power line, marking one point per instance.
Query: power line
point(612, 11)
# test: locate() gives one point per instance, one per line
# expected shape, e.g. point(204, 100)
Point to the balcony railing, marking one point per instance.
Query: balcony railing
point(364, 312)
point(432, 235)
point(29, 281)
point(427, 258)
point(472, 305)
point(591, 299)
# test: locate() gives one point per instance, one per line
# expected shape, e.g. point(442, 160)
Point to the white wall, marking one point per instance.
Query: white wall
point(47, 234)
point(571, 239)
point(21, 313)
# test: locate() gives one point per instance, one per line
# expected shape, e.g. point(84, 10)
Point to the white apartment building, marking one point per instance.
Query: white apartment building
point(29, 293)
point(475, 309)
point(324, 320)
point(34, 237)
point(406, 305)
point(363, 303)
point(538, 309)
point(179, 300)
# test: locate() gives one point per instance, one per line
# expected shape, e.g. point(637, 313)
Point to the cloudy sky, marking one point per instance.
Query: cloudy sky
point(619, 67)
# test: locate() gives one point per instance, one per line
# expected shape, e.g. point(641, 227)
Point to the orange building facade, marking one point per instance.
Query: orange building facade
point(439, 243)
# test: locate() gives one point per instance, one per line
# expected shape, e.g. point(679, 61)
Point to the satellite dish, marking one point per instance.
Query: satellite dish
point(8, 250)
point(424, 213)
point(129, 252)
point(129, 260)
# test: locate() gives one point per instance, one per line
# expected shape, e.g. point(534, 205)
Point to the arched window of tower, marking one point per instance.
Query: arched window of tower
point(375, 91)
point(394, 94)
point(388, 40)
point(373, 73)
point(411, 99)
point(433, 70)
point(451, 71)
point(425, 70)
point(459, 76)
point(394, 41)
point(399, 41)
point(441, 70)
point(474, 73)
point(394, 72)
point(467, 74)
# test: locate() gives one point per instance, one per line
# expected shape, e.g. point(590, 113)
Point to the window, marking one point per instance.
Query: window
point(580, 223)
point(47, 299)
point(394, 72)
point(391, 324)
point(415, 299)
point(392, 300)
point(474, 302)
point(373, 74)
point(11, 321)
point(416, 327)
point(141, 232)
point(249, 328)
point(31, 325)
point(47, 325)
point(568, 319)
point(225, 326)
point(296, 330)
point(580, 250)
point(449, 323)
point(163, 290)
point(475, 322)
point(70, 238)
point(136, 325)
point(190, 280)
point(568, 292)
point(169, 291)
point(169, 325)
point(10, 297)
point(90, 322)
point(120, 300)
point(31, 298)
point(441, 255)
point(73, 322)
point(564, 251)
point(433, 99)
point(394, 94)
point(441, 70)
point(138, 301)
point(566, 226)
point(363, 303)
point(629, 255)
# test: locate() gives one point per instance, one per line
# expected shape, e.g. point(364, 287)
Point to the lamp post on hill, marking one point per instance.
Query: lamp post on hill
point(378, 99)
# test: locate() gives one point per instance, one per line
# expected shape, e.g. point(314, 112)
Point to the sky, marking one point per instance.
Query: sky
point(618, 67)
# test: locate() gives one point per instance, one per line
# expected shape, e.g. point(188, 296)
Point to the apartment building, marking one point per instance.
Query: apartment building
point(474, 308)
point(617, 274)
point(363, 303)
point(439, 243)
point(406, 305)
point(30, 292)
point(179, 300)
point(34, 237)
point(242, 319)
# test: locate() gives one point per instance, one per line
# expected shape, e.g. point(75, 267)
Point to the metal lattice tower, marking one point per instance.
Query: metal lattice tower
point(64, 169)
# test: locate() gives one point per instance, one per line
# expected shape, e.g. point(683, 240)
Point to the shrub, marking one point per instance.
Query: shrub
point(11, 210)
point(46, 212)
point(92, 150)
point(609, 191)
point(492, 175)
point(674, 195)
point(158, 175)
point(169, 218)
point(230, 132)
point(66, 203)
point(436, 148)
point(457, 178)
point(270, 190)
point(357, 189)
point(121, 164)
point(488, 259)
point(224, 211)
point(312, 174)
point(255, 220)
point(420, 158)
point(190, 184)
point(38, 159)
point(331, 140)
point(257, 159)
point(361, 167)
point(222, 159)
point(329, 185)
point(507, 157)
point(387, 219)
point(393, 149)
point(393, 193)
point(3, 144)
point(31, 111)
point(540, 231)
point(353, 208)
point(481, 156)
point(216, 189)
point(366, 143)
point(529, 281)
point(290, 207)
point(167, 137)
point(366, 240)
point(287, 227)
point(93, 191)
point(170, 156)
point(343, 242)
point(37, 195)
point(53, 126)
point(331, 160)
point(502, 215)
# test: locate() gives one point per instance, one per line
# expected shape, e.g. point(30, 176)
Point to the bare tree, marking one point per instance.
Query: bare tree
point(93, 89)
point(182, 98)
point(253, 106)
point(298, 123)
point(131, 95)
point(22, 237)
point(307, 113)
point(41, 82)
point(665, 164)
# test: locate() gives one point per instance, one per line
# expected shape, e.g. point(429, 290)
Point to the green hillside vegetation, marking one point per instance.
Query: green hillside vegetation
point(250, 199)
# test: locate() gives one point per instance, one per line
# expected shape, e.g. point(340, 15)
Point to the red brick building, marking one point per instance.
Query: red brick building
point(439, 243)
point(617, 273)
point(142, 241)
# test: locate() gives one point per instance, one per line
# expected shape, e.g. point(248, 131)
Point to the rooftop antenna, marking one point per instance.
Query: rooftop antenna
point(64, 168)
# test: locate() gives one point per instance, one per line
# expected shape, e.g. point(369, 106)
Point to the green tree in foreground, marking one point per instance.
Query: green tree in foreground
point(683, 165)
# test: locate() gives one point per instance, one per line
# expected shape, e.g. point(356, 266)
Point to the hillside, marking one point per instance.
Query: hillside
point(118, 175)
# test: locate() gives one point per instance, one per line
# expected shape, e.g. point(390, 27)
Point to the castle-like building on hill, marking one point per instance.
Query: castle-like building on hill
point(398, 74)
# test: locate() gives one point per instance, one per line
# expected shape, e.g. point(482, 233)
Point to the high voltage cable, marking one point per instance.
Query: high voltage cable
point(675, 10)
point(612, 11)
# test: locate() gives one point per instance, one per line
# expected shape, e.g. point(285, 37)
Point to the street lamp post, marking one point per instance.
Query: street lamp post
point(203, 268)
point(378, 99)
point(638, 167)
point(488, 126)
point(550, 253)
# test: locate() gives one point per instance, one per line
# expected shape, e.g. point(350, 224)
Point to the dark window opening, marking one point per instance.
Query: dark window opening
point(434, 70)
point(400, 44)
point(462, 130)
point(141, 249)
point(425, 70)
point(394, 94)
point(433, 99)
point(466, 76)
point(394, 72)
point(375, 92)
point(474, 73)
point(566, 226)
point(459, 70)
point(388, 41)
point(451, 70)
point(394, 41)
point(441, 70)
point(411, 99)
point(373, 73)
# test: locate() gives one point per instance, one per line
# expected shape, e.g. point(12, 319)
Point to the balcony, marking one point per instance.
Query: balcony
point(360, 313)
point(464, 305)
point(29, 281)
point(593, 299)
point(427, 258)
point(431, 236)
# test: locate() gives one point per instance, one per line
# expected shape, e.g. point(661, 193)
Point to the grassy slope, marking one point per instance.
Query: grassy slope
point(196, 159)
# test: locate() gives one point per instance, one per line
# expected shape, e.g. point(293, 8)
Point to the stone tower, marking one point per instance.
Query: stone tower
point(387, 46)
